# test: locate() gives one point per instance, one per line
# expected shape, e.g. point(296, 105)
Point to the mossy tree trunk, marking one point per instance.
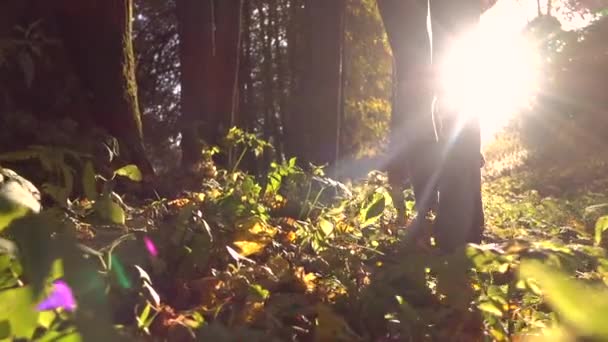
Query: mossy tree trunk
point(209, 33)
point(98, 37)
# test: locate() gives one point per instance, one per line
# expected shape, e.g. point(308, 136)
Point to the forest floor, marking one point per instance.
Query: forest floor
point(296, 256)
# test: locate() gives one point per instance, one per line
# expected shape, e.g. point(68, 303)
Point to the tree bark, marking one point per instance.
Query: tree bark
point(413, 145)
point(460, 217)
point(209, 32)
point(97, 35)
point(316, 91)
point(325, 81)
point(245, 115)
point(295, 119)
point(449, 165)
point(280, 86)
point(267, 62)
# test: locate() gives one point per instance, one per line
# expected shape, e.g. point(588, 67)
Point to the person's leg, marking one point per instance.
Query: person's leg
point(412, 138)
point(460, 213)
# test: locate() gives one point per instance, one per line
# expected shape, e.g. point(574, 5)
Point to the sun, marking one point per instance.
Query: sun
point(491, 75)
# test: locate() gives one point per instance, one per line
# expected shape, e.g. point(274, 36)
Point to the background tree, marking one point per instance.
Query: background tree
point(367, 84)
point(158, 79)
point(319, 95)
point(77, 62)
point(274, 58)
point(98, 37)
point(209, 33)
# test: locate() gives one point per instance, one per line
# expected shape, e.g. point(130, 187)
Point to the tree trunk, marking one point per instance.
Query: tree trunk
point(280, 86)
point(295, 118)
point(209, 33)
point(97, 35)
point(452, 165)
point(267, 79)
point(245, 115)
point(412, 134)
point(460, 217)
point(316, 66)
point(323, 87)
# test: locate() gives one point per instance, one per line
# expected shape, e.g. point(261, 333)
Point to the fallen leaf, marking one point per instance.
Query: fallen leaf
point(252, 236)
point(306, 279)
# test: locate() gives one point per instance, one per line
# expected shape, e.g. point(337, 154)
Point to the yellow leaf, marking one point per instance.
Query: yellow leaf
point(215, 193)
point(251, 311)
point(252, 236)
point(179, 202)
point(308, 280)
point(247, 248)
point(200, 197)
point(326, 227)
point(344, 227)
point(290, 237)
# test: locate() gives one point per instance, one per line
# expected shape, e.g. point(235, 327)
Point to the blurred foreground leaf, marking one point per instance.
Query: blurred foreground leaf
point(583, 307)
point(17, 197)
point(18, 317)
point(600, 227)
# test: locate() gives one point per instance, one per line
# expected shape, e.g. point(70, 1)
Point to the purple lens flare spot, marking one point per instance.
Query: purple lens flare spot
point(150, 246)
point(61, 297)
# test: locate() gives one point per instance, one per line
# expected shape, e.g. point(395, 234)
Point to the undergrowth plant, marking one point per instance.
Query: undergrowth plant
point(295, 255)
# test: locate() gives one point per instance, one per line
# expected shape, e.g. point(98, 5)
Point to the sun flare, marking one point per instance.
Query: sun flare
point(491, 75)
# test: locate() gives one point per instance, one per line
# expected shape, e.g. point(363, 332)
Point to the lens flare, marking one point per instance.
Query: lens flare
point(61, 297)
point(490, 75)
point(150, 246)
point(121, 274)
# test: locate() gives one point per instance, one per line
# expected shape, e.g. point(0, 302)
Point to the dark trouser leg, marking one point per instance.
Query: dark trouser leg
point(460, 211)
point(412, 140)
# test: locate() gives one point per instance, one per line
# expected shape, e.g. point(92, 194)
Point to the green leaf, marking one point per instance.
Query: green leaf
point(18, 309)
point(82, 274)
point(5, 329)
point(490, 308)
point(46, 318)
point(374, 209)
point(20, 155)
point(142, 319)
point(260, 291)
point(60, 336)
point(566, 295)
point(7, 216)
point(130, 171)
point(33, 237)
point(326, 227)
point(89, 182)
point(68, 179)
point(600, 227)
point(59, 194)
point(109, 211)
point(17, 198)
